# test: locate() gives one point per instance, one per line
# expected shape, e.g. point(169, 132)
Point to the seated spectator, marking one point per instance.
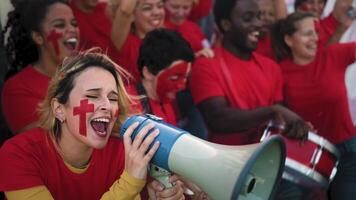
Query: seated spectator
point(314, 88)
point(238, 91)
point(177, 13)
point(41, 34)
point(133, 19)
point(72, 155)
point(163, 75)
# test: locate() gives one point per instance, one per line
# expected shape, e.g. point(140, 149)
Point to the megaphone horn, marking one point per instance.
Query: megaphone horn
point(223, 172)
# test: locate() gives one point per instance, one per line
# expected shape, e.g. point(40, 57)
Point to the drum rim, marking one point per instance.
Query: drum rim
point(307, 171)
point(324, 143)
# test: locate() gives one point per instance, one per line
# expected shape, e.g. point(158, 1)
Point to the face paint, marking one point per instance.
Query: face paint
point(82, 110)
point(117, 113)
point(53, 38)
point(172, 80)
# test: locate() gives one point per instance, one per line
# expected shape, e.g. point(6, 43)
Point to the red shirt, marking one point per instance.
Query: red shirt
point(202, 9)
point(21, 95)
point(165, 111)
point(190, 32)
point(256, 85)
point(317, 91)
point(264, 47)
point(95, 29)
point(30, 160)
point(129, 55)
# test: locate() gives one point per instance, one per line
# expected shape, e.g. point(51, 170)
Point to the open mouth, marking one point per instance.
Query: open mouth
point(100, 126)
point(71, 43)
point(253, 36)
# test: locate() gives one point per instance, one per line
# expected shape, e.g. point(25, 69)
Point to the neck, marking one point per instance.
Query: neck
point(242, 54)
point(46, 66)
point(74, 152)
point(150, 89)
point(83, 7)
point(301, 60)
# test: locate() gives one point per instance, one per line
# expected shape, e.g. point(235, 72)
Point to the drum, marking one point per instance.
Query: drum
point(315, 158)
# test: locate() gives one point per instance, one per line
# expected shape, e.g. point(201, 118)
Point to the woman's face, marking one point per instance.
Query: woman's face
point(92, 108)
point(59, 36)
point(304, 42)
point(178, 10)
point(149, 15)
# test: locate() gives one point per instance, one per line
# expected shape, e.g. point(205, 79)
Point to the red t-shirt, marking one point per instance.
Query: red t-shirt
point(257, 82)
point(317, 91)
point(95, 29)
point(30, 160)
point(202, 9)
point(128, 56)
point(264, 47)
point(21, 95)
point(165, 111)
point(190, 32)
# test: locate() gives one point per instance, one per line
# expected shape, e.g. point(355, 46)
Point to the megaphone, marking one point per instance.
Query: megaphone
point(223, 172)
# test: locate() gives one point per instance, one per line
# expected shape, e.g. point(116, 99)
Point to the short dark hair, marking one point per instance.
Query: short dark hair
point(222, 10)
point(282, 28)
point(160, 48)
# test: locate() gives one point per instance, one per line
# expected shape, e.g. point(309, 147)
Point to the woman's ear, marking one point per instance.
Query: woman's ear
point(147, 74)
point(37, 38)
point(288, 40)
point(58, 110)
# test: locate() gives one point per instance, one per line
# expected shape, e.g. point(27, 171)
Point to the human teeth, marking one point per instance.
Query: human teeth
point(72, 40)
point(102, 120)
point(256, 33)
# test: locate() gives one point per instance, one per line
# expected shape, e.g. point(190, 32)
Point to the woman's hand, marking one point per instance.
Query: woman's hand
point(206, 52)
point(156, 190)
point(137, 152)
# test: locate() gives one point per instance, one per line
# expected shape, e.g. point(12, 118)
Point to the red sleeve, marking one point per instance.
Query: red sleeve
point(19, 169)
point(343, 54)
point(128, 55)
point(203, 80)
point(19, 105)
point(328, 26)
point(202, 9)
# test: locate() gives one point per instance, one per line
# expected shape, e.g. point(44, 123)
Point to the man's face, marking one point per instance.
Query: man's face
point(244, 25)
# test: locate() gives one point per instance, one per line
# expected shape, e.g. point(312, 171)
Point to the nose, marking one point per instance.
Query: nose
point(105, 104)
point(156, 10)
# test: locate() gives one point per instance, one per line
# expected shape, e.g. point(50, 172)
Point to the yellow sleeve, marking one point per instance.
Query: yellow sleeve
point(126, 188)
point(33, 193)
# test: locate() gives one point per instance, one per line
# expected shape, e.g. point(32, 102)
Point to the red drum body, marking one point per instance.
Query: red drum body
point(314, 159)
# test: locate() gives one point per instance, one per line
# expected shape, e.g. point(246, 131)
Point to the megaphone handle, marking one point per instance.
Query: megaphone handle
point(161, 175)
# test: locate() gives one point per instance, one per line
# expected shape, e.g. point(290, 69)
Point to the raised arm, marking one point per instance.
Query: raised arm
point(123, 17)
point(340, 13)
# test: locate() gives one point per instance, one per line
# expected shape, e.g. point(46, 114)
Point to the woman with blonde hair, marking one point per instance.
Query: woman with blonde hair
point(72, 155)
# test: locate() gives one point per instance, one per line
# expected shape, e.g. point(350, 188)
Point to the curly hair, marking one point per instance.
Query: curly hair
point(26, 18)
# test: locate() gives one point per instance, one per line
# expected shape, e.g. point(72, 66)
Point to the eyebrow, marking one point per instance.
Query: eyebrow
point(56, 20)
point(98, 89)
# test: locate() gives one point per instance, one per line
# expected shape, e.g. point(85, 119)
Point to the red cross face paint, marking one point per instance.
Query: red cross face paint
point(172, 80)
point(54, 38)
point(81, 111)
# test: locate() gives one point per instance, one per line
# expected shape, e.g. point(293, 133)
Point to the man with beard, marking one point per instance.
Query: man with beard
point(239, 91)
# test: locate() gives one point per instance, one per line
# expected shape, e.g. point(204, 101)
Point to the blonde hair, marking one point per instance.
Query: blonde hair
point(63, 81)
